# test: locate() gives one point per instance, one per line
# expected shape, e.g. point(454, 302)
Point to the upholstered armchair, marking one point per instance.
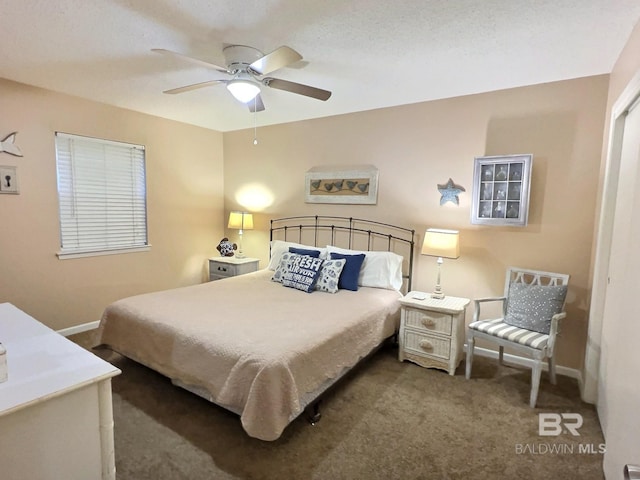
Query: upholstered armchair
point(532, 307)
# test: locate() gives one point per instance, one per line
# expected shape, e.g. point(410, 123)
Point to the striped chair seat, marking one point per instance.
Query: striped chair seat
point(503, 330)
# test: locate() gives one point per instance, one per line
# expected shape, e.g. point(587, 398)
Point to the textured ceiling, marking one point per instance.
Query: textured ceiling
point(369, 53)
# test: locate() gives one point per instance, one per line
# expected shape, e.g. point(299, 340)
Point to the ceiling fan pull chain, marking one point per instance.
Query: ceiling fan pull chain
point(255, 112)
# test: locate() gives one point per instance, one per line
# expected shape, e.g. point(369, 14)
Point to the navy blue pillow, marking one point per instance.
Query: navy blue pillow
point(304, 251)
point(351, 271)
point(301, 272)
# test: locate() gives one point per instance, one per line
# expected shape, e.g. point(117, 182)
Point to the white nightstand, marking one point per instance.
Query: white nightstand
point(432, 331)
point(225, 267)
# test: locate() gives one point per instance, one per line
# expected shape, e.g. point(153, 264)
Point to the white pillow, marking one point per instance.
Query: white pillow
point(379, 269)
point(278, 247)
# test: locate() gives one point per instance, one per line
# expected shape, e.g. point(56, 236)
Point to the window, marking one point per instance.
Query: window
point(102, 196)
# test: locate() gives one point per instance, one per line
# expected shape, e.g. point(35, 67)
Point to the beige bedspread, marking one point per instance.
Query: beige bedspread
point(256, 347)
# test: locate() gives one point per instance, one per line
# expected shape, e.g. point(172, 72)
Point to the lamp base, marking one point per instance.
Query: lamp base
point(240, 253)
point(437, 292)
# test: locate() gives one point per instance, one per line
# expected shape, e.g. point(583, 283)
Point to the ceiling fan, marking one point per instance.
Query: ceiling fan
point(247, 67)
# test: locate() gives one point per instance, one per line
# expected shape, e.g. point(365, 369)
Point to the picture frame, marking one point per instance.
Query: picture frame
point(9, 180)
point(357, 184)
point(501, 186)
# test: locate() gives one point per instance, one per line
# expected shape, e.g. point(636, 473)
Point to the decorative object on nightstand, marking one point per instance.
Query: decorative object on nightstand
point(225, 267)
point(432, 331)
point(440, 243)
point(226, 248)
point(240, 221)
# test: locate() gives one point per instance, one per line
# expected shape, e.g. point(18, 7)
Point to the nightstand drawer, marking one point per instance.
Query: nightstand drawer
point(426, 345)
point(222, 270)
point(226, 267)
point(428, 321)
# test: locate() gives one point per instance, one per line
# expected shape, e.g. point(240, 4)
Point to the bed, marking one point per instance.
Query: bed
point(258, 348)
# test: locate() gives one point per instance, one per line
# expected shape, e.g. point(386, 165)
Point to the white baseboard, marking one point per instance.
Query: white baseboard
point(79, 328)
point(526, 362)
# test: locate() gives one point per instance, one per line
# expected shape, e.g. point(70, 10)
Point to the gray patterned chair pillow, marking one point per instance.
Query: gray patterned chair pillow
point(329, 275)
point(532, 306)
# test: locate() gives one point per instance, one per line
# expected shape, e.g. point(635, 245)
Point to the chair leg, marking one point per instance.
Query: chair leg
point(470, 344)
point(552, 369)
point(535, 381)
point(501, 355)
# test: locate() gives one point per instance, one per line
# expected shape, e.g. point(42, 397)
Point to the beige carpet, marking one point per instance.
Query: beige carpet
point(386, 420)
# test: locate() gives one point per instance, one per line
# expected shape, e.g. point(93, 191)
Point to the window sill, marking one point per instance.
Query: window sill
point(62, 255)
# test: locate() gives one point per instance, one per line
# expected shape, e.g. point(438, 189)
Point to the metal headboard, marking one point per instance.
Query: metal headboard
point(348, 232)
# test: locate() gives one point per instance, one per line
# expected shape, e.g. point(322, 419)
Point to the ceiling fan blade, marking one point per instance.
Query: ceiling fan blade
point(195, 86)
point(298, 88)
point(256, 105)
point(280, 57)
point(202, 63)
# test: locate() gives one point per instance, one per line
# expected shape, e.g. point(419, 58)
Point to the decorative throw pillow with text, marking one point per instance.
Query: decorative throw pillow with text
point(301, 271)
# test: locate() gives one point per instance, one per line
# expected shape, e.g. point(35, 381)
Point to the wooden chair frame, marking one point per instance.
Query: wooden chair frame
point(529, 277)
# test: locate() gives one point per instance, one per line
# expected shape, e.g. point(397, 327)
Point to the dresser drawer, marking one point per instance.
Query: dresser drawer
point(428, 321)
point(426, 345)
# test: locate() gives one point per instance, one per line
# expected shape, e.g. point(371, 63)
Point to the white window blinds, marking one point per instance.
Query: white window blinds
point(102, 195)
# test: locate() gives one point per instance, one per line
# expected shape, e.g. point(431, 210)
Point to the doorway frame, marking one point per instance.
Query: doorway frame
point(592, 359)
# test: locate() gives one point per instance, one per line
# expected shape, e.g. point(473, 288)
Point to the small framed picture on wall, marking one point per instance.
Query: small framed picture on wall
point(8, 180)
point(501, 190)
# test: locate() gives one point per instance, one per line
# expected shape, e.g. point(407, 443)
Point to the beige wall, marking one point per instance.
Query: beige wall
point(185, 207)
point(626, 66)
point(415, 147)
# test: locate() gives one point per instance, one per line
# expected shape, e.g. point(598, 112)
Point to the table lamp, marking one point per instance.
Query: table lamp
point(240, 221)
point(440, 243)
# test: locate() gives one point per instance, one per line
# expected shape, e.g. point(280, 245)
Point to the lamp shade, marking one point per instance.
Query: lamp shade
point(241, 220)
point(243, 90)
point(441, 243)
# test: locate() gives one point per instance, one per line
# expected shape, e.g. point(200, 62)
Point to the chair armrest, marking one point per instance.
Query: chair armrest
point(554, 330)
point(478, 301)
point(490, 299)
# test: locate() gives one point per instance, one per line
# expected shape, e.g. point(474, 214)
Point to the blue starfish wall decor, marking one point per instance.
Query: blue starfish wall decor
point(450, 192)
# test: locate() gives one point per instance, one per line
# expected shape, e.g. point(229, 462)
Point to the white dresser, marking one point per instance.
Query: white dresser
point(432, 330)
point(56, 416)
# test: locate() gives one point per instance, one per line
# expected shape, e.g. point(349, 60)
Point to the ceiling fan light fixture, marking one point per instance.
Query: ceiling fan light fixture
point(243, 90)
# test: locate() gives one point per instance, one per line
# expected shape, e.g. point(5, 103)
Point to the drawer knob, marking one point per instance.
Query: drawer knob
point(222, 269)
point(426, 345)
point(428, 322)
